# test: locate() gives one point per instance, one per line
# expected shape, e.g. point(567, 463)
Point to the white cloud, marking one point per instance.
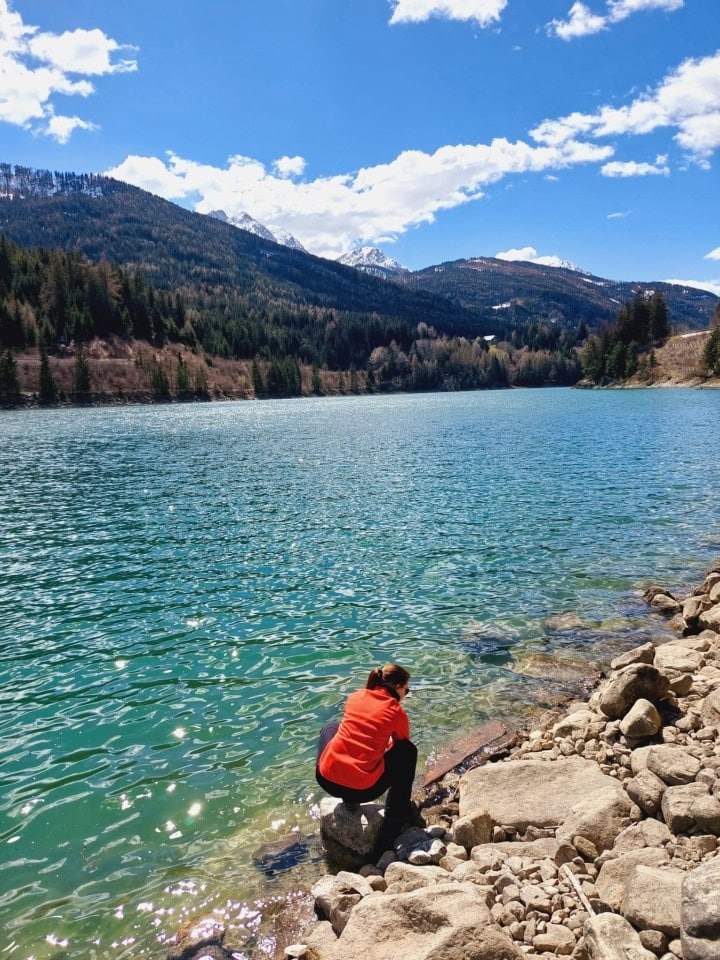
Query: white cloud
point(687, 99)
point(35, 66)
point(289, 166)
point(621, 9)
point(631, 168)
point(61, 128)
point(619, 215)
point(581, 21)
point(483, 12)
point(530, 255)
point(712, 286)
point(517, 253)
point(332, 214)
point(80, 51)
point(713, 255)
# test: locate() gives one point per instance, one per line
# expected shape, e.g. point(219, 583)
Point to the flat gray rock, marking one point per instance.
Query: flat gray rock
point(610, 937)
point(673, 764)
point(446, 920)
point(615, 874)
point(677, 804)
point(652, 899)
point(525, 793)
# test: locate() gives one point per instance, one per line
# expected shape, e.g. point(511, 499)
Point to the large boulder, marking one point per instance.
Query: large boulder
point(700, 912)
point(652, 899)
point(525, 793)
point(646, 790)
point(610, 937)
point(642, 654)
point(710, 714)
point(598, 818)
point(580, 724)
point(671, 656)
point(641, 720)
point(677, 805)
point(673, 764)
point(615, 874)
point(710, 619)
point(447, 921)
point(630, 684)
point(349, 834)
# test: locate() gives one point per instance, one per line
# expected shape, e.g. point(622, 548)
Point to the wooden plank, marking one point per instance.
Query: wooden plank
point(488, 738)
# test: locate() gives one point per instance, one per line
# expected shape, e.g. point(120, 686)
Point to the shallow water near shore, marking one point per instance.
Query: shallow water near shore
point(189, 592)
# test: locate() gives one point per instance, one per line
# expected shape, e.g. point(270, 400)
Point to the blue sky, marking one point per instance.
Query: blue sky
point(435, 129)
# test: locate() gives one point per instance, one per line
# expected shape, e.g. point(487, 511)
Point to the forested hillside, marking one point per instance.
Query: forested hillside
point(92, 269)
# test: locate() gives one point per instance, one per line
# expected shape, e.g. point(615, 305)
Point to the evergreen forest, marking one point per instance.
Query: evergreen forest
point(54, 303)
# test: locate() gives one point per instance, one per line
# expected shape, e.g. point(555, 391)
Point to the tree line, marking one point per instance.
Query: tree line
point(55, 302)
point(615, 354)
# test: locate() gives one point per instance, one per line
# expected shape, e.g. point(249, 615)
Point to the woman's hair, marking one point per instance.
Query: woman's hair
point(391, 675)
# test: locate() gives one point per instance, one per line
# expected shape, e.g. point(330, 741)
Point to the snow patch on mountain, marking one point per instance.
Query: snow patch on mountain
point(19, 183)
point(372, 260)
point(243, 221)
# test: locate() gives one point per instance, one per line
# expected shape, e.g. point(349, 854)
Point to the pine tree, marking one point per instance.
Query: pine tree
point(9, 385)
point(47, 391)
point(182, 377)
point(258, 384)
point(711, 354)
point(659, 323)
point(82, 385)
point(317, 388)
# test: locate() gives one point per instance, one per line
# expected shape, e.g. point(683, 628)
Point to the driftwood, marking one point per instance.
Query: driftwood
point(569, 875)
point(487, 740)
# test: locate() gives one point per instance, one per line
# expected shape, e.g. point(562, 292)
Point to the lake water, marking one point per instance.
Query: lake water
point(188, 592)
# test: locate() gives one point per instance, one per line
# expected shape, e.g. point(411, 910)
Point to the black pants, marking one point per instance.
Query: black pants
point(397, 777)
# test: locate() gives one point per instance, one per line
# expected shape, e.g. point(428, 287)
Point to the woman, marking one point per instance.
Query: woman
point(370, 751)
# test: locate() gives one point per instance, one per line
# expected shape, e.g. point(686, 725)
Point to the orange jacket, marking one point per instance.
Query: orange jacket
point(372, 722)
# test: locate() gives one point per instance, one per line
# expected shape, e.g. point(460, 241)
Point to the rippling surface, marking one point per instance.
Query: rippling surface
point(188, 592)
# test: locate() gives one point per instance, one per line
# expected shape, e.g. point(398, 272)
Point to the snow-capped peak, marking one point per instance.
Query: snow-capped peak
point(243, 221)
point(372, 260)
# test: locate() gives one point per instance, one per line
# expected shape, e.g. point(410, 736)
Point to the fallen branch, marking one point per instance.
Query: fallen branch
point(569, 875)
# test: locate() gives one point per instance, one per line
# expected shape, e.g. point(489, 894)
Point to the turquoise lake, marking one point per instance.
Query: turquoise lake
point(188, 592)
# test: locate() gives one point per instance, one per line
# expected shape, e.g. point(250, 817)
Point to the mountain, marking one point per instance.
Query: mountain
point(508, 294)
point(373, 261)
point(231, 273)
point(245, 222)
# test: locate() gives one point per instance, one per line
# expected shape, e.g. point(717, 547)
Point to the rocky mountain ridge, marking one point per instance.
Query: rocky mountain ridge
point(104, 218)
point(243, 221)
point(374, 261)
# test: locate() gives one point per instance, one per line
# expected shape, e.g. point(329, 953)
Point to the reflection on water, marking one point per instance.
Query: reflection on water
point(189, 592)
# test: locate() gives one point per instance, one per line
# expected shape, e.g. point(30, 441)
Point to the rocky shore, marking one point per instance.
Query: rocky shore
point(594, 837)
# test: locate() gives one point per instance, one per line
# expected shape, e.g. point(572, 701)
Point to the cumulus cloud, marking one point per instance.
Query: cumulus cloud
point(712, 286)
point(530, 255)
point(582, 22)
point(713, 255)
point(36, 65)
point(631, 168)
point(687, 99)
point(483, 12)
point(332, 214)
point(289, 166)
